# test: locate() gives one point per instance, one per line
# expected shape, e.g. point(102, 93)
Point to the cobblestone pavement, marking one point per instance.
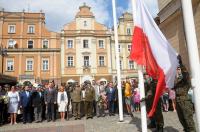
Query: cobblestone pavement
point(102, 124)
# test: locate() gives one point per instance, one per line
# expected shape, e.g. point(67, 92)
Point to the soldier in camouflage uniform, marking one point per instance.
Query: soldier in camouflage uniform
point(76, 101)
point(157, 120)
point(69, 89)
point(89, 98)
point(183, 103)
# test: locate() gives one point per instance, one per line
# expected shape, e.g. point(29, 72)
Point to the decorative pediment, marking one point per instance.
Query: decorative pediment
point(70, 53)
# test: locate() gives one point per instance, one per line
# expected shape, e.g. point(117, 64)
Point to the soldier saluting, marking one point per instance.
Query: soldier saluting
point(183, 103)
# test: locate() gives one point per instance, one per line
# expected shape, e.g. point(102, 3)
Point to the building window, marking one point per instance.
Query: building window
point(30, 44)
point(120, 64)
point(86, 61)
point(11, 43)
point(129, 48)
point(45, 64)
point(119, 48)
point(101, 61)
point(31, 29)
point(85, 23)
point(101, 44)
point(29, 65)
point(131, 65)
point(10, 65)
point(85, 44)
point(128, 31)
point(69, 43)
point(11, 28)
point(70, 61)
point(45, 44)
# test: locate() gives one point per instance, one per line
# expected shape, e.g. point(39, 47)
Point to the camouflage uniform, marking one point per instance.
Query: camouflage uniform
point(89, 98)
point(183, 103)
point(76, 102)
point(157, 119)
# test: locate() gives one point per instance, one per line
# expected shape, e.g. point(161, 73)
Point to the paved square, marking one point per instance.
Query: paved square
point(106, 124)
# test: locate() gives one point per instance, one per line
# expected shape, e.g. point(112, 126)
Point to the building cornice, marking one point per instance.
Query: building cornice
point(169, 9)
point(34, 50)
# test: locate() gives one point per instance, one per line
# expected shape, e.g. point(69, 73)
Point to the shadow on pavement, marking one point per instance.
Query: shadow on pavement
point(136, 121)
point(170, 129)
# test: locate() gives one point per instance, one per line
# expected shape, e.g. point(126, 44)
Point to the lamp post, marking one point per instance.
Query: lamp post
point(3, 52)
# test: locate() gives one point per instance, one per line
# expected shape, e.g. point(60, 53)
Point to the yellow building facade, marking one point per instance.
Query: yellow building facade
point(125, 32)
point(33, 52)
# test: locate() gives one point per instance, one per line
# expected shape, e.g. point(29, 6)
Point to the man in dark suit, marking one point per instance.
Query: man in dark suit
point(50, 98)
point(111, 96)
point(37, 103)
point(25, 103)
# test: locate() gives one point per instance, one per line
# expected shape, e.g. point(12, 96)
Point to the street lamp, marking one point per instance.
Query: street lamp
point(3, 52)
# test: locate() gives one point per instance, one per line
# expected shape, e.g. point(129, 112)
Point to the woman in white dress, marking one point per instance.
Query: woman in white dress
point(62, 101)
point(13, 103)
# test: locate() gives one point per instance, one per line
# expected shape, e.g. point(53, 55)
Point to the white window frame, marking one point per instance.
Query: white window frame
point(30, 31)
point(11, 69)
point(72, 44)
point(87, 63)
point(27, 68)
point(70, 63)
point(129, 48)
point(27, 43)
point(11, 31)
point(128, 31)
point(102, 63)
point(45, 59)
point(87, 43)
point(101, 47)
point(131, 65)
point(11, 46)
point(45, 40)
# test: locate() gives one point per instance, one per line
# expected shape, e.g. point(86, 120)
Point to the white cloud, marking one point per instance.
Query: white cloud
point(58, 12)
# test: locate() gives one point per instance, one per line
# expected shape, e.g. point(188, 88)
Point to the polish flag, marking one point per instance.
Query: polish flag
point(151, 49)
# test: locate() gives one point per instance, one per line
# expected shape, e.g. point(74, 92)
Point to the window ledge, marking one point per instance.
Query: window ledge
point(70, 66)
point(102, 66)
point(9, 71)
point(29, 71)
point(45, 70)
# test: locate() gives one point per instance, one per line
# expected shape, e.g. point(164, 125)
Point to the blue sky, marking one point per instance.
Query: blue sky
point(60, 12)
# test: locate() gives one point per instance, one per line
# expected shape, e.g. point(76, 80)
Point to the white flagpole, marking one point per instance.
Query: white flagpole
point(117, 63)
point(141, 84)
point(193, 54)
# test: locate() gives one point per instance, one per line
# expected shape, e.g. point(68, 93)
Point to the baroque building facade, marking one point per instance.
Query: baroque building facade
point(33, 52)
point(85, 49)
point(125, 27)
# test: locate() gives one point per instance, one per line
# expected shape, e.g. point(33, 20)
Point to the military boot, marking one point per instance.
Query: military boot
point(159, 128)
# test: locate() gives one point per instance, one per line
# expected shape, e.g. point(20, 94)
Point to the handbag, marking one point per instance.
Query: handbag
point(19, 111)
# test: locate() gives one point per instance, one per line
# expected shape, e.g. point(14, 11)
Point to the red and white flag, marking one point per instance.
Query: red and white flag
point(151, 49)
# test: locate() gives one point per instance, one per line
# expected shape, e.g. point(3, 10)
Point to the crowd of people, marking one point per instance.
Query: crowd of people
point(30, 103)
